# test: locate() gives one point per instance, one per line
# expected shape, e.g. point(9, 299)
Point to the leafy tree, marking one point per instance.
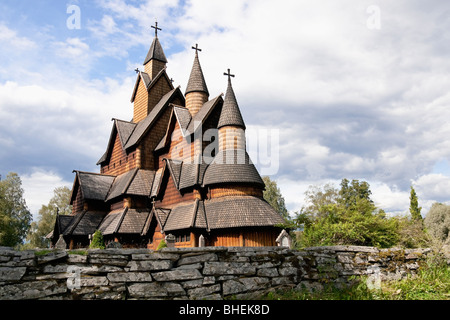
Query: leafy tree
point(15, 218)
point(273, 196)
point(437, 222)
point(351, 194)
point(346, 216)
point(414, 208)
point(47, 216)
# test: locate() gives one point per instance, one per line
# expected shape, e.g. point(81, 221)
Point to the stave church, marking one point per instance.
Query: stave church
point(162, 175)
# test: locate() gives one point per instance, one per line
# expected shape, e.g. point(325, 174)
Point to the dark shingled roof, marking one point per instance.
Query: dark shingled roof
point(230, 115)
point(232, 166)
point(175, 169)
point(157, 182)
point(244, 211)
point(141, 185)
point(134, 221)
point(192, 173)
point(94, 186)
point(183, 216)
point(196, 81)
point(125, 129)
point(203, 114)
point(112, 221)
point(84, 223)
point(155, 52)
point(183, 116)
point(144, 125)
point(121, 184)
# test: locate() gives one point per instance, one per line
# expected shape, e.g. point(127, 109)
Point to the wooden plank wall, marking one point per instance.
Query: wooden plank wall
point(171, 195)
point(119, 161)
point(235, 191)
point(244, 238)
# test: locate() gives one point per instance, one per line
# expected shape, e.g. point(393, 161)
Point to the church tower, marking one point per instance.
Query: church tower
point(152, 83)
point(231, 126)
point(196, 90)
point(155, 60)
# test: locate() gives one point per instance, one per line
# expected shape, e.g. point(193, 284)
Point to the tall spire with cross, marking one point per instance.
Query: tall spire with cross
point(230, 115)
point(196, 81)
point(156, 52)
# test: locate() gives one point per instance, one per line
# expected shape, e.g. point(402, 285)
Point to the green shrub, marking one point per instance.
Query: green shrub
point(161, 245)
point(97, 241)
point(437, 222)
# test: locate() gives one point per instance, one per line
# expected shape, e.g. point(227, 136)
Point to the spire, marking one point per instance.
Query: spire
point(156, 51)
point(196, 81)
point(230, 115)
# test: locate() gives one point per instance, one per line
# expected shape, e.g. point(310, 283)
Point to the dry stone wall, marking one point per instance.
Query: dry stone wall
point(192, 273)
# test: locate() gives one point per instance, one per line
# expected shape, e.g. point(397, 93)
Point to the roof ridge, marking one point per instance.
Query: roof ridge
point(194, 213)
point(125, 189)
point(119, 223)
point(94, 173)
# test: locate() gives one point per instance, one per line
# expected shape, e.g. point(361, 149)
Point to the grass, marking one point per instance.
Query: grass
point(431, 283)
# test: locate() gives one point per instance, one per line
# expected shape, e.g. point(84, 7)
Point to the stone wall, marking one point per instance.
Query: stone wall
point(192, 273)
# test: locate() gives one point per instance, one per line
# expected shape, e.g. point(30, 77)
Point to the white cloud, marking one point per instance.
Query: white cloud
point(349, 102)
point(10, 38)
point(38, 188)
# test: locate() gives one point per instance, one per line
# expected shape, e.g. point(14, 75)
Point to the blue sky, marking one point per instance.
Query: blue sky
point(356, 89)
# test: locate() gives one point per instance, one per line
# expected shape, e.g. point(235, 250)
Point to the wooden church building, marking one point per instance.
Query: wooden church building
point(180, 167)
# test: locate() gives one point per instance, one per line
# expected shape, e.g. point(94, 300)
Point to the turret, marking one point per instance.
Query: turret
point(196, 91)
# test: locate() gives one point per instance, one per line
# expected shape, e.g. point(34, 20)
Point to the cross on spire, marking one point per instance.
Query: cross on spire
point(196, 48)
point(156, 29)
point(228, 74)
point(136, 70)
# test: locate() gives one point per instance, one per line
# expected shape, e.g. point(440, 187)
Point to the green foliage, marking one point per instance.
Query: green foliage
point(414, 208)
point(97, 241)
point(344, 217)
point(15, 218)
point(273, 196)
point(47, 216)
point(162, 244)
point(437, 222)
point(411, 233)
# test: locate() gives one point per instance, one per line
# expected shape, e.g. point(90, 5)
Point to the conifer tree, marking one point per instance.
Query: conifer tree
point(414, 208)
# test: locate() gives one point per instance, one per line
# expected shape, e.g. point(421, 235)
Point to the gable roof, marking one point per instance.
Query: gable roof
point(144, 125)
point(124, 129)
point(84, 223)
point(155, 52)
point(111, 222)
point(94, 186)
point(148, 82)
point(183, 216)
point(121, 184)
point(187, 123)
point(202, 115)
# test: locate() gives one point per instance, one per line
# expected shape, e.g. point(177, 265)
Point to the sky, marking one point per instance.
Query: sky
point(350, 89)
